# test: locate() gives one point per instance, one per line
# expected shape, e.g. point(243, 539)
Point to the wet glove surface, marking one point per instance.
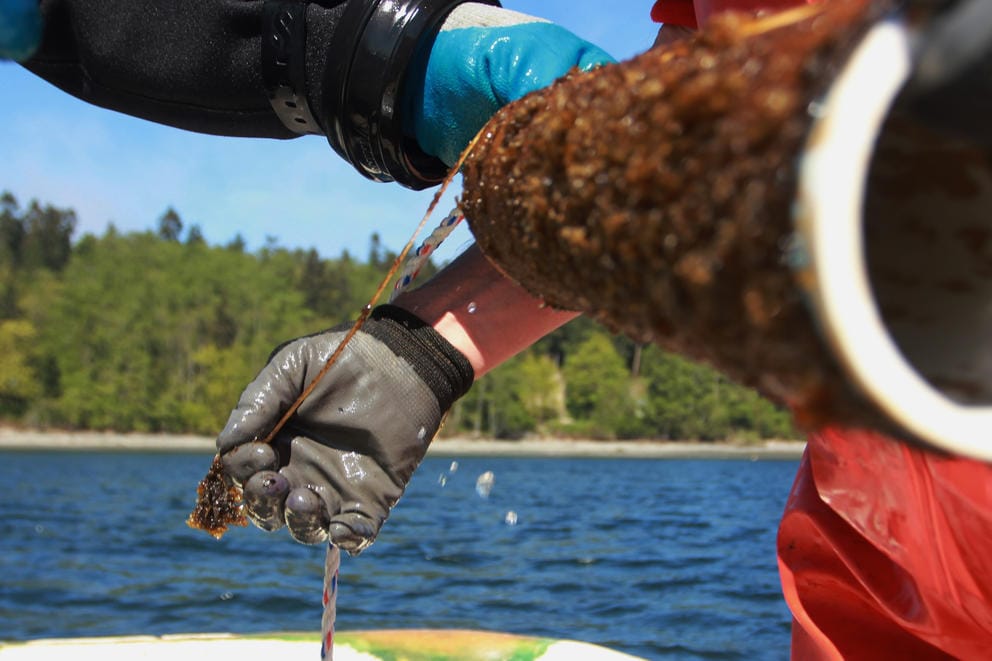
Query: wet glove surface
point(20, 28)
point(483, 58)
point(344, 459)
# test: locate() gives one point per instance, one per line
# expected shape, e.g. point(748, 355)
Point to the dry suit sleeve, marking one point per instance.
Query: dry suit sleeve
point(192, 64)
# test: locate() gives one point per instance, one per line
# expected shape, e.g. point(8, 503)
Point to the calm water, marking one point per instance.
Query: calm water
point(659, 558)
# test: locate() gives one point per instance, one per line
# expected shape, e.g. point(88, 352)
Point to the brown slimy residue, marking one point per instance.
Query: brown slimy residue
point(218, 504)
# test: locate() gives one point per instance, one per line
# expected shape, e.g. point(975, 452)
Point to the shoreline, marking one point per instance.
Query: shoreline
point(32, 440)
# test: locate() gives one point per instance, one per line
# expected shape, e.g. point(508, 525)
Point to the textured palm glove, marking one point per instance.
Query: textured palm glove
point(345, 457)
point(483, 58)
point(20, 28)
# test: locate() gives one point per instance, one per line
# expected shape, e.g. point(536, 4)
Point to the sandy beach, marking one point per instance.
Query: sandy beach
point(20, 439)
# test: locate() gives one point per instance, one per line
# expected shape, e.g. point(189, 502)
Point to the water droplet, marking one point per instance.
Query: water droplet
point(453, 468)
point(484, 485)
point(226, 596)
point(472, 307)
point(511, 518)
point(442, 479)
point(421, 433)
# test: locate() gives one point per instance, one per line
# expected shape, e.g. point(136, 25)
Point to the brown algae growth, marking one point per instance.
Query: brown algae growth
point(218, 504)
point(655, 195)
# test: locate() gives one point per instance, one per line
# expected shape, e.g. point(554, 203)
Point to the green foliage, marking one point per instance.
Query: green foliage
point(19, 384)
point(145, 332)
point(47, 237)
point(519, 397)
point(34, 239)
point(170, 225)
point(689, 401)
point(598, 386)
point(137, 319)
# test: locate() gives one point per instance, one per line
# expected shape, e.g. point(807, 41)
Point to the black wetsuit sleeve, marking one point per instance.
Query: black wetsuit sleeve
point(192, 64)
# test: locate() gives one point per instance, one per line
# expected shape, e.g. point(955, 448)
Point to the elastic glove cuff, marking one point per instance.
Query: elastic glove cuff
point(441, 366)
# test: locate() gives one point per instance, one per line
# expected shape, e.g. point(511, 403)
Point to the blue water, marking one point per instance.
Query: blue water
point(658, 558)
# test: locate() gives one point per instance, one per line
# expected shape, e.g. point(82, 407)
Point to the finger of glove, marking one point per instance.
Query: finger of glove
point(306, 516)
point(20, 29)
point(246, 460)
point(353, 531)
point(275, 389)
point(483, 58)
point(265, 496)
point(357, 491)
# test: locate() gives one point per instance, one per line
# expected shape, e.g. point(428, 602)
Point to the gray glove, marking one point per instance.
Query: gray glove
point(346, 455)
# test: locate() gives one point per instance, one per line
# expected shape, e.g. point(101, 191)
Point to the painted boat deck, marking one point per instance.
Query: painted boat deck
point(409, 645)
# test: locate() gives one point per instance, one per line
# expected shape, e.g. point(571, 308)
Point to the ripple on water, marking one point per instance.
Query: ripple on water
point(663, 559)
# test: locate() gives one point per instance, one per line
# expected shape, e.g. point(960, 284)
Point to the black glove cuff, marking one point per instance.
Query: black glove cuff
point(369, 53)
point(441, 366)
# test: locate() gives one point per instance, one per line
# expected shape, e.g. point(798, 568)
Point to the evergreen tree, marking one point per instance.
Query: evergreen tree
point(47, 239)
point(170, 225)
point(237, 244)
point(376, 259)
point(194, 237)
point(11, 231)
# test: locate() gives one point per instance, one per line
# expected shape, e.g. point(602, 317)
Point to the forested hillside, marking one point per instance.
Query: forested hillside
point(158, 331)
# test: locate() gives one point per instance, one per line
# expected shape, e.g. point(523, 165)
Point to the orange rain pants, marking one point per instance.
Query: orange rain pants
point(885, 550)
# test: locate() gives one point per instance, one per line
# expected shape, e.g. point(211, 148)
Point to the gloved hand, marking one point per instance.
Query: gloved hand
point(483, 58)
point(345, 457)
point(20, 29)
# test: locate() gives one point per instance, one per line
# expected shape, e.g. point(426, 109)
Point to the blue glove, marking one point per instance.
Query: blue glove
point(20, 29)
point(483, 58)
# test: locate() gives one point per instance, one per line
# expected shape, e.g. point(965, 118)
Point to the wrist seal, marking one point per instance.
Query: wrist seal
point(441, 366)
point(369, 53)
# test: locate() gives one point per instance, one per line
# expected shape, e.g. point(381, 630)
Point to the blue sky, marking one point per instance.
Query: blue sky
point(113, 168)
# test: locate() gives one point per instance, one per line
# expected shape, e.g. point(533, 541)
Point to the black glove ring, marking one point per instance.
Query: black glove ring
point(372, 46)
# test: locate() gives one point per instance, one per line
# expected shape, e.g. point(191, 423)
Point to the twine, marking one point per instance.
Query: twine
point(419, 257)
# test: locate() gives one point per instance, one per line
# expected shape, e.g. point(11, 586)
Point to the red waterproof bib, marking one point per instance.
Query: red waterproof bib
point(885, 550)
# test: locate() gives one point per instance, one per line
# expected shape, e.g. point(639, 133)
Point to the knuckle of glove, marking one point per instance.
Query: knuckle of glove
point(353, 532)
point(265, 496)
point(514, 53)
point(246, 460)
point(483, 58)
